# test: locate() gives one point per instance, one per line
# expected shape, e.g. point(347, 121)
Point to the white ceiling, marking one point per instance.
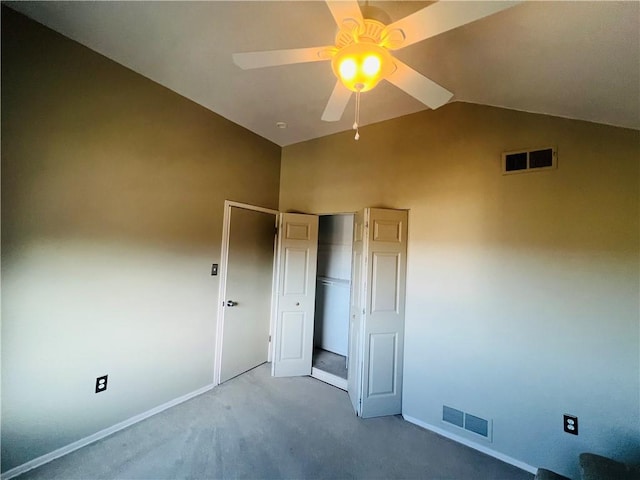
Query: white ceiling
point(571, 59)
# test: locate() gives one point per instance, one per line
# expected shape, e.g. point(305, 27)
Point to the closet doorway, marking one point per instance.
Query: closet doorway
point(333, 289)
point(376, 239)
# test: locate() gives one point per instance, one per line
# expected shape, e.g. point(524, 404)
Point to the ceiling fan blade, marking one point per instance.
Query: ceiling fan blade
point(442, 16)
point(419, 86)
point(337, 103)
point(273, 58)
point(345, 10)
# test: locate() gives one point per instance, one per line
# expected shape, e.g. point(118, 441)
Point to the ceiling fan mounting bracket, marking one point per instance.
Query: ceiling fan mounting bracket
point(371, 32)
point(393, 39)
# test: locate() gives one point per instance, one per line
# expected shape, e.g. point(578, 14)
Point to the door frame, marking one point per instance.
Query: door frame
point(222, 289)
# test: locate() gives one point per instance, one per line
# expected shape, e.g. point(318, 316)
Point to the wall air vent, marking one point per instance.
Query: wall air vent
point(476, 425)
point(529, 160)
point(469, 422)
point(453, 416)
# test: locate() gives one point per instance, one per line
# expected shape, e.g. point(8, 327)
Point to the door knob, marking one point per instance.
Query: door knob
point(231, 303)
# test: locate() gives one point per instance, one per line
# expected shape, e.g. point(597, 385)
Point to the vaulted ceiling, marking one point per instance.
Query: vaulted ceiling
point(577, 60)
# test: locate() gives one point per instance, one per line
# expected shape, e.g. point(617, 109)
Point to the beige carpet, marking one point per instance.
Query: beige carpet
point(256, 426)
point(330, 362)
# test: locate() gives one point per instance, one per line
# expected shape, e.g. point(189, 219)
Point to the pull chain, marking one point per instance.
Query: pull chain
point(357, 120)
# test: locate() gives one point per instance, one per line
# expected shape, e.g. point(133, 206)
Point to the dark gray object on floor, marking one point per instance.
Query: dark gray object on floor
point(544, 474)
point(597, 467)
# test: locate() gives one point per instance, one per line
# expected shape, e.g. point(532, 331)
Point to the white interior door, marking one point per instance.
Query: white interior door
point(385, 253)
point(296, 292)
point(247, 292)
point(356, 313)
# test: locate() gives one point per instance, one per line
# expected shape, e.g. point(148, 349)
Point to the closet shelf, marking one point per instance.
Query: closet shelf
point(333, 280)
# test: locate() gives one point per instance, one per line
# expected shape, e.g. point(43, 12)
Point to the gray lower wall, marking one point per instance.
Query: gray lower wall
point(112, 201)
point(522, 290)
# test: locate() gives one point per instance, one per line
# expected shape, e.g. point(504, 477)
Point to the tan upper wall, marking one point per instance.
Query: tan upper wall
point(453, 155)
point(91, 148)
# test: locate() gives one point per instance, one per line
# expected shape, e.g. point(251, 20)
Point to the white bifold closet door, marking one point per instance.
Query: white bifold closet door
point(377, 311)
point(295, 294)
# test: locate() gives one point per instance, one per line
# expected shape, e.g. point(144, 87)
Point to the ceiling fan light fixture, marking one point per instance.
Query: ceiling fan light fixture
point(371, 65)
point(348, 69)
point(360, 66)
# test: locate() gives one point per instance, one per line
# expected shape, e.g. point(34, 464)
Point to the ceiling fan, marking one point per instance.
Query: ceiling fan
point(361, 55)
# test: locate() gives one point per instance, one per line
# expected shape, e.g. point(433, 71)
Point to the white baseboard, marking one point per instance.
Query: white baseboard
point(36, 462)
point(329, 378)
point(472, 444)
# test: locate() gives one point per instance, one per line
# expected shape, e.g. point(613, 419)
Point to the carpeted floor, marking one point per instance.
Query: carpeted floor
point(330, 362)
point(256, 426)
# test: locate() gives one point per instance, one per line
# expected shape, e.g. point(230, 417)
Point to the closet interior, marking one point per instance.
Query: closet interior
point(333, 290)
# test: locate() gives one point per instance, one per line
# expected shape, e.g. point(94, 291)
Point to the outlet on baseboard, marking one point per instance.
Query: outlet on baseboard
point(101, 383)
point(571, 424)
